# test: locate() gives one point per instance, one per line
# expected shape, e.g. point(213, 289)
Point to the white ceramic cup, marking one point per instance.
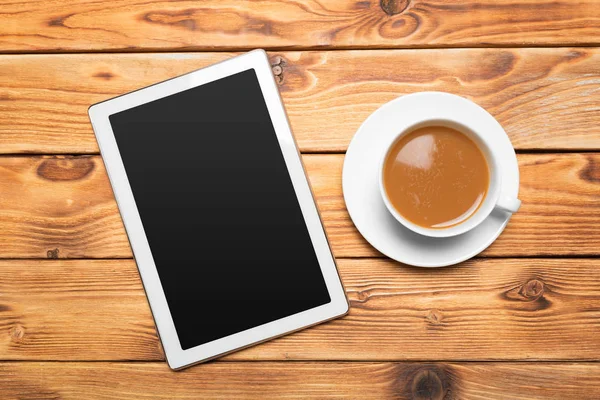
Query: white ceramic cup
point(494, 198)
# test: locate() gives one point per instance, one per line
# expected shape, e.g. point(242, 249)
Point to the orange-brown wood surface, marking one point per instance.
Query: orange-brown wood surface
point(292, 380)
point(520, 321)
point(134, 25)
point(494, 309)
point(544, 98)
point(59, 206)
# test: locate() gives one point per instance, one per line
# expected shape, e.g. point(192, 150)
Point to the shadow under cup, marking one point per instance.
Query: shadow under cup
point(485, 206)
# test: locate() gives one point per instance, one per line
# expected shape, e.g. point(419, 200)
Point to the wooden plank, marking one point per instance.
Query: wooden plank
point(130, 25)
point(58, 207)
point(495, 309)
point(259, 380)
point(64, 207)
point(545, 98)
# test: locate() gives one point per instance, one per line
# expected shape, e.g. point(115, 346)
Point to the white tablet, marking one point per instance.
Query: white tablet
point(218, 210)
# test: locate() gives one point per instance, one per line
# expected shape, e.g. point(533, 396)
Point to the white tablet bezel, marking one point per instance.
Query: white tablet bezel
point(176, 356)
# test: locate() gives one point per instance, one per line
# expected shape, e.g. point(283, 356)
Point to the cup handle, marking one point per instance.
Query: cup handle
point(508, 204)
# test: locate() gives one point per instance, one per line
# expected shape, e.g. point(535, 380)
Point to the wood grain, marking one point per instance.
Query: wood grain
point(491, 328)
point(508, 309)
point(133, 25)
point(63, 207)
point(544, 98)
point(219, 380)
point(58, 207)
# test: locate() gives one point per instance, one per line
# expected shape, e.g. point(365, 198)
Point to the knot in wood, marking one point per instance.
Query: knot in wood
point(65, 168)
point(277, 70)
point(427, 385)
point(533, 289)
point(393, 7)
point(53, 254)
point(16, 333)
point(107, 76)
point(363, 295)
point(591, 172)
point(434, 317)
point(277, 64)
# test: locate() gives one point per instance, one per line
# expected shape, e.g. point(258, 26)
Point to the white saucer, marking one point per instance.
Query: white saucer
point(363, 198)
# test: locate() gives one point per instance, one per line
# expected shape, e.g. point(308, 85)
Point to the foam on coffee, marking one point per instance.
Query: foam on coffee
point(436, 177)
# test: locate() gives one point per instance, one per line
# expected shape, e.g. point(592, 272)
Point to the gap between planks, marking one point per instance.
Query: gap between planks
point(479, 257)
point(307, 153)
point(590, 45)
point(225, 360)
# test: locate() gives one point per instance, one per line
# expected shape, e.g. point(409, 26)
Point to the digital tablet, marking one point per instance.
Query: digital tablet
point(218, 210)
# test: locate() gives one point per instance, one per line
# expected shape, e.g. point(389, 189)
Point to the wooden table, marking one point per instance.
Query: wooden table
point(520, 321)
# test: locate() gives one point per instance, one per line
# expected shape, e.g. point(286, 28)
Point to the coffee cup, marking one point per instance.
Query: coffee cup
point(494, 198)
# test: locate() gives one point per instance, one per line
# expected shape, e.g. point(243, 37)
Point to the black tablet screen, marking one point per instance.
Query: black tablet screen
point(219, 210)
